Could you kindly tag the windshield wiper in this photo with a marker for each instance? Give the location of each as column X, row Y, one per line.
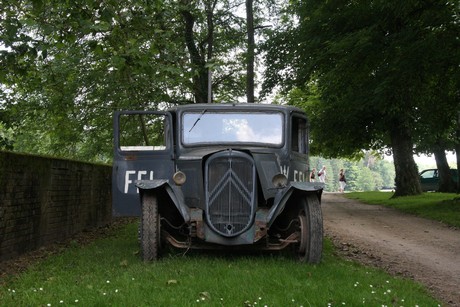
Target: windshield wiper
column 199, row 117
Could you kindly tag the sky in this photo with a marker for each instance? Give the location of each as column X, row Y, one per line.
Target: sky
column 451, row 157
column 425, row 161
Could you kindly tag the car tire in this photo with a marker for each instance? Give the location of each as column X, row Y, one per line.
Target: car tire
column 310, row 247
column 150, row 228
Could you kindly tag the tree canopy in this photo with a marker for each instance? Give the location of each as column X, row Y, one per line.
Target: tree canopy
column 371, row 75
column 67, row 65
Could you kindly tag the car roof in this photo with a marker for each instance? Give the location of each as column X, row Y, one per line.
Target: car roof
column 236, row 106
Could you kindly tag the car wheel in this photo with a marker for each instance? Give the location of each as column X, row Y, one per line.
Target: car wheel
column 150, row 228
column 310, row 228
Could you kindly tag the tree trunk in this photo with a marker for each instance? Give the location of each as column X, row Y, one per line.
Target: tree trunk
column 457, row 151
column 145, row 135
column 200, row 73
column 407, row 178
column 250, row 52
column 210, row 5
column 446, row 182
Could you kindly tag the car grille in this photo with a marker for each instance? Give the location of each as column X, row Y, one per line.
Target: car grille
column 230, row 190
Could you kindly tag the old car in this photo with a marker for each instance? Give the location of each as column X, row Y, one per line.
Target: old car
column 218, row 176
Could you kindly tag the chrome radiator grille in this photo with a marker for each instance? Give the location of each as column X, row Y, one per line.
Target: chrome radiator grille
column 230, row 192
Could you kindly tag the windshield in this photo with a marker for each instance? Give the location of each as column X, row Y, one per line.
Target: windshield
column 233, row 127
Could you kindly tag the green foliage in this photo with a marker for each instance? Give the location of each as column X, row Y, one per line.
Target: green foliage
column 66, row 66
column 443, row 207
column 370, row 71
column 372, row 75
column 90, row 59
column 6, row 137
column 109, row 272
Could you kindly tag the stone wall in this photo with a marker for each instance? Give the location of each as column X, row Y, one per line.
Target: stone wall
column 46, row 200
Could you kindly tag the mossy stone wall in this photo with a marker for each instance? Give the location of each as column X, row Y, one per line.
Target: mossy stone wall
column 45, row 200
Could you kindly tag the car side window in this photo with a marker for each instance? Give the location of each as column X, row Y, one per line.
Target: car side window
column 299, row 135
column 142, row 132
column 429, row 174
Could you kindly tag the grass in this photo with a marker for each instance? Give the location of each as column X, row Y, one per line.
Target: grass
column 436, row 206
column 109, row 272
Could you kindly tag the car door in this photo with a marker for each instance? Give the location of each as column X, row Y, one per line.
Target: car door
column 429, row 180
column 143, row 150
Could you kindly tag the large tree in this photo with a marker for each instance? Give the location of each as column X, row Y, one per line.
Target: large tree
column 436, row 127
column 67, row 65
column 369, row 65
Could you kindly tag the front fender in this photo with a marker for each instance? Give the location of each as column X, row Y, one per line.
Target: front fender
column 174, row 193
column 283, row 195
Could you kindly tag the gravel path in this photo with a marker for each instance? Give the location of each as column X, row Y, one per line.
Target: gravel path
column 402, row 244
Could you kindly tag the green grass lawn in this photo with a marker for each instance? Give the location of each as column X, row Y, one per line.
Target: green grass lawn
column 436, row 206
column 109, row 272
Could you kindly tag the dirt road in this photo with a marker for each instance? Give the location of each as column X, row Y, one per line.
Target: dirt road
column 427, row 251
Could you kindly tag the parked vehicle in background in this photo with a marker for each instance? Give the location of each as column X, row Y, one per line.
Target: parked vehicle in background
column 218, row 176
column 429, row 179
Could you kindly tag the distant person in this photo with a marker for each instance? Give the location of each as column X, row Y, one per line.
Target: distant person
column 313, row 175
column 342, row 181
column 322, row 174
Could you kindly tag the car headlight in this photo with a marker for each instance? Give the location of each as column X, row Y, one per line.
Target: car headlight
column 179, row 178
column 279, row 181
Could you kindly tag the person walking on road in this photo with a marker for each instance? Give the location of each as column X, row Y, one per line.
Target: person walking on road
column 313, row 175
column 342, row 181
column 322, row 174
